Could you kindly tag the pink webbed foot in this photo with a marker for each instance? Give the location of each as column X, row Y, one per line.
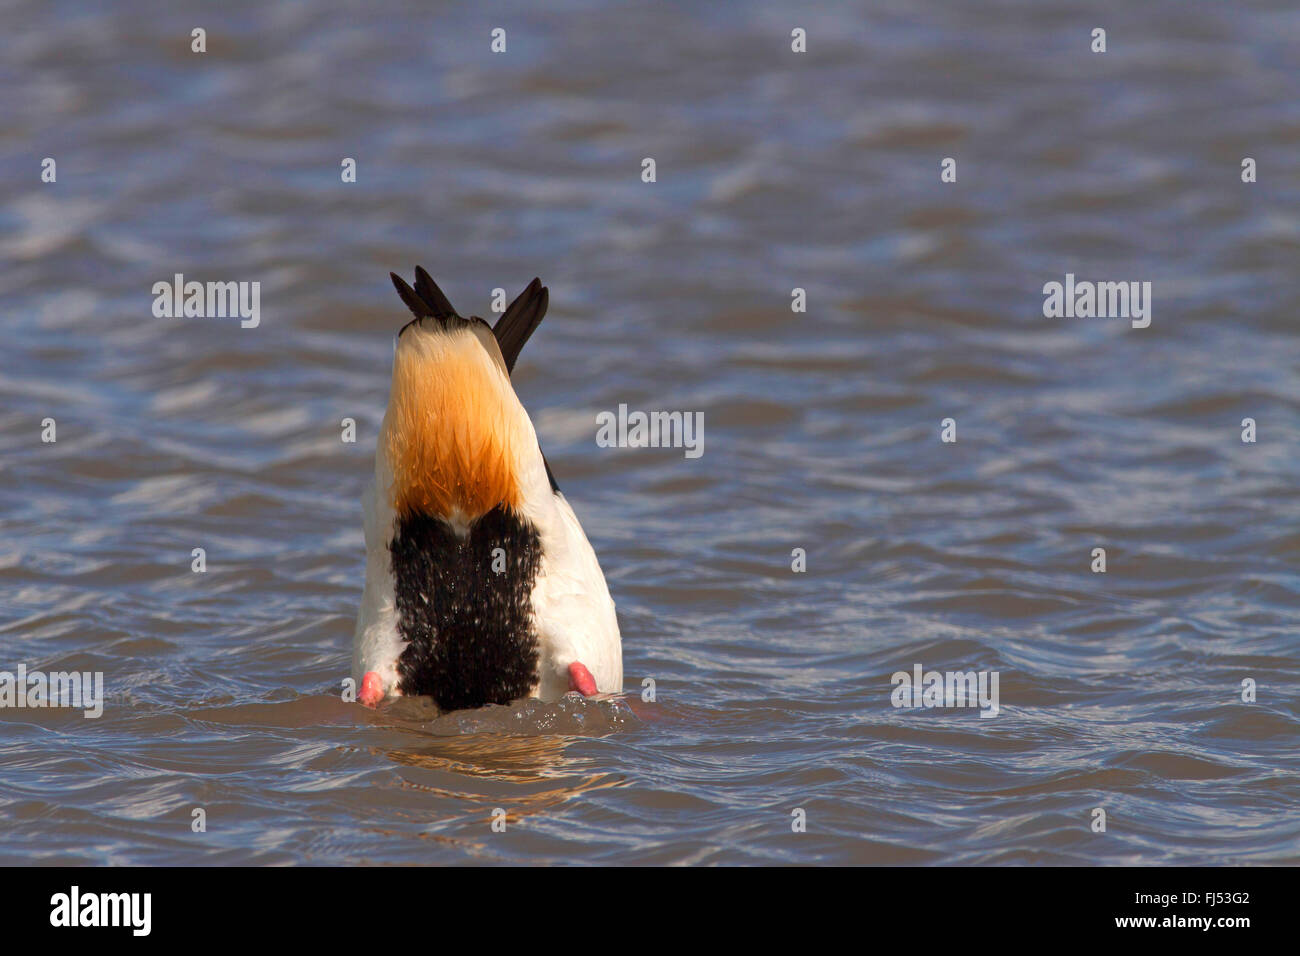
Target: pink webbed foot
column 372, row 689
column 580, row 679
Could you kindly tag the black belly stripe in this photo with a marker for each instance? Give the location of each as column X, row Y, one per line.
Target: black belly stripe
column 470, row 630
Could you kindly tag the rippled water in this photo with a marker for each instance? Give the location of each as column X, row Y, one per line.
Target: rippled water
column 775, row 170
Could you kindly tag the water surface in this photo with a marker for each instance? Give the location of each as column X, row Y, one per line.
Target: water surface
column 775, row 171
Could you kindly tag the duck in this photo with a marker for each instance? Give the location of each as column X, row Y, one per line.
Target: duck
column 481, row 586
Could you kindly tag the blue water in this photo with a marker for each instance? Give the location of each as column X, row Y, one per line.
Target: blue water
column 1119, row 692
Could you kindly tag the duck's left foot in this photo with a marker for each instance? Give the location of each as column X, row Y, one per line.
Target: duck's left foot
column 372, row 689
column 580, row 679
